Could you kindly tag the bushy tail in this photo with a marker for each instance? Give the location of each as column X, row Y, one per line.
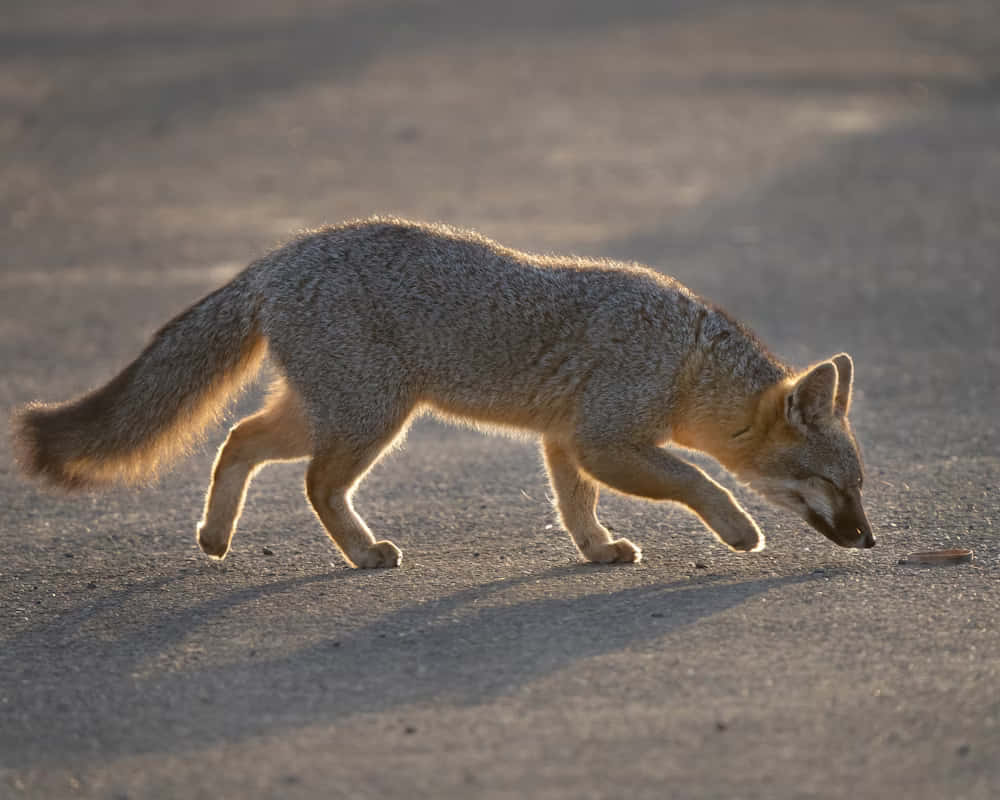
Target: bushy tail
column 146, row 416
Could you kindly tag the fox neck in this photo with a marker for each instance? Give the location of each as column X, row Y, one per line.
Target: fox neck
column 734, row 389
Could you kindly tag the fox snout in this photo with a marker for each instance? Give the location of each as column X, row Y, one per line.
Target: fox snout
column 850, row 526
column 865, row 539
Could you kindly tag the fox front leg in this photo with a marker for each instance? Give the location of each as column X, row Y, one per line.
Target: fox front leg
column 651, row 472
column 576, row 500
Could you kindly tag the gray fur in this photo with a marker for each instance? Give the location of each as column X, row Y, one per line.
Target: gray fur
column 371, row 321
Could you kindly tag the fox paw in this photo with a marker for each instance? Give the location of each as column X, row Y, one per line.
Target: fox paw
column 745, row 538
column 620, row 550
column 213, row 546
column 380, row 554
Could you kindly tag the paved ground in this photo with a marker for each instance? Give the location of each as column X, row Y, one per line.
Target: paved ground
column 828, row 171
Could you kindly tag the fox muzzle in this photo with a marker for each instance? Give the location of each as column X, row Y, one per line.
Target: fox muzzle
column 850, row 524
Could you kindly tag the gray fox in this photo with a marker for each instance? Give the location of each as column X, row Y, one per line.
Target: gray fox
column 373, row 321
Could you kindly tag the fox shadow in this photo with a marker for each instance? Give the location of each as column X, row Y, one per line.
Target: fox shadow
column 465, row 648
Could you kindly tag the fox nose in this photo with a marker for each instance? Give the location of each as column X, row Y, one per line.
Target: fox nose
column 868, row 540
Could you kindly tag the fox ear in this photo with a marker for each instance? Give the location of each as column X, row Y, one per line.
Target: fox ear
column 845, row 379
column 811, row 399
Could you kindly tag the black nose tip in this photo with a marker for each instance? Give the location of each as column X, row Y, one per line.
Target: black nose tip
column 869, row 539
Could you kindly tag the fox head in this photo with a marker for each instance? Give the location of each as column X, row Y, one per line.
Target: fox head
column 808, row 460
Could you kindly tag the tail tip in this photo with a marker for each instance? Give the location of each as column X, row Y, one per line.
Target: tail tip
column 33, row 448
column 26, row 439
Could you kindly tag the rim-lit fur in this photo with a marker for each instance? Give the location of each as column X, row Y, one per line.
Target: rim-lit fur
column 148, row 414
column 373, row 322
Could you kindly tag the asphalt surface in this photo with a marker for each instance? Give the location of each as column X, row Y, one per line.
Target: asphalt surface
column 828, row 171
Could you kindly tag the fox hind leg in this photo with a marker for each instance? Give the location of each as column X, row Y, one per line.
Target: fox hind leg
column 278, row 432
column 338, row 465
column 576, row 499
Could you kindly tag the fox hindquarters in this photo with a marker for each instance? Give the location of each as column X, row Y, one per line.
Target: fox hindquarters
column 372, row 322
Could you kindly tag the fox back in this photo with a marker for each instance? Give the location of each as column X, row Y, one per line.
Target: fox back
column 477, row 330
